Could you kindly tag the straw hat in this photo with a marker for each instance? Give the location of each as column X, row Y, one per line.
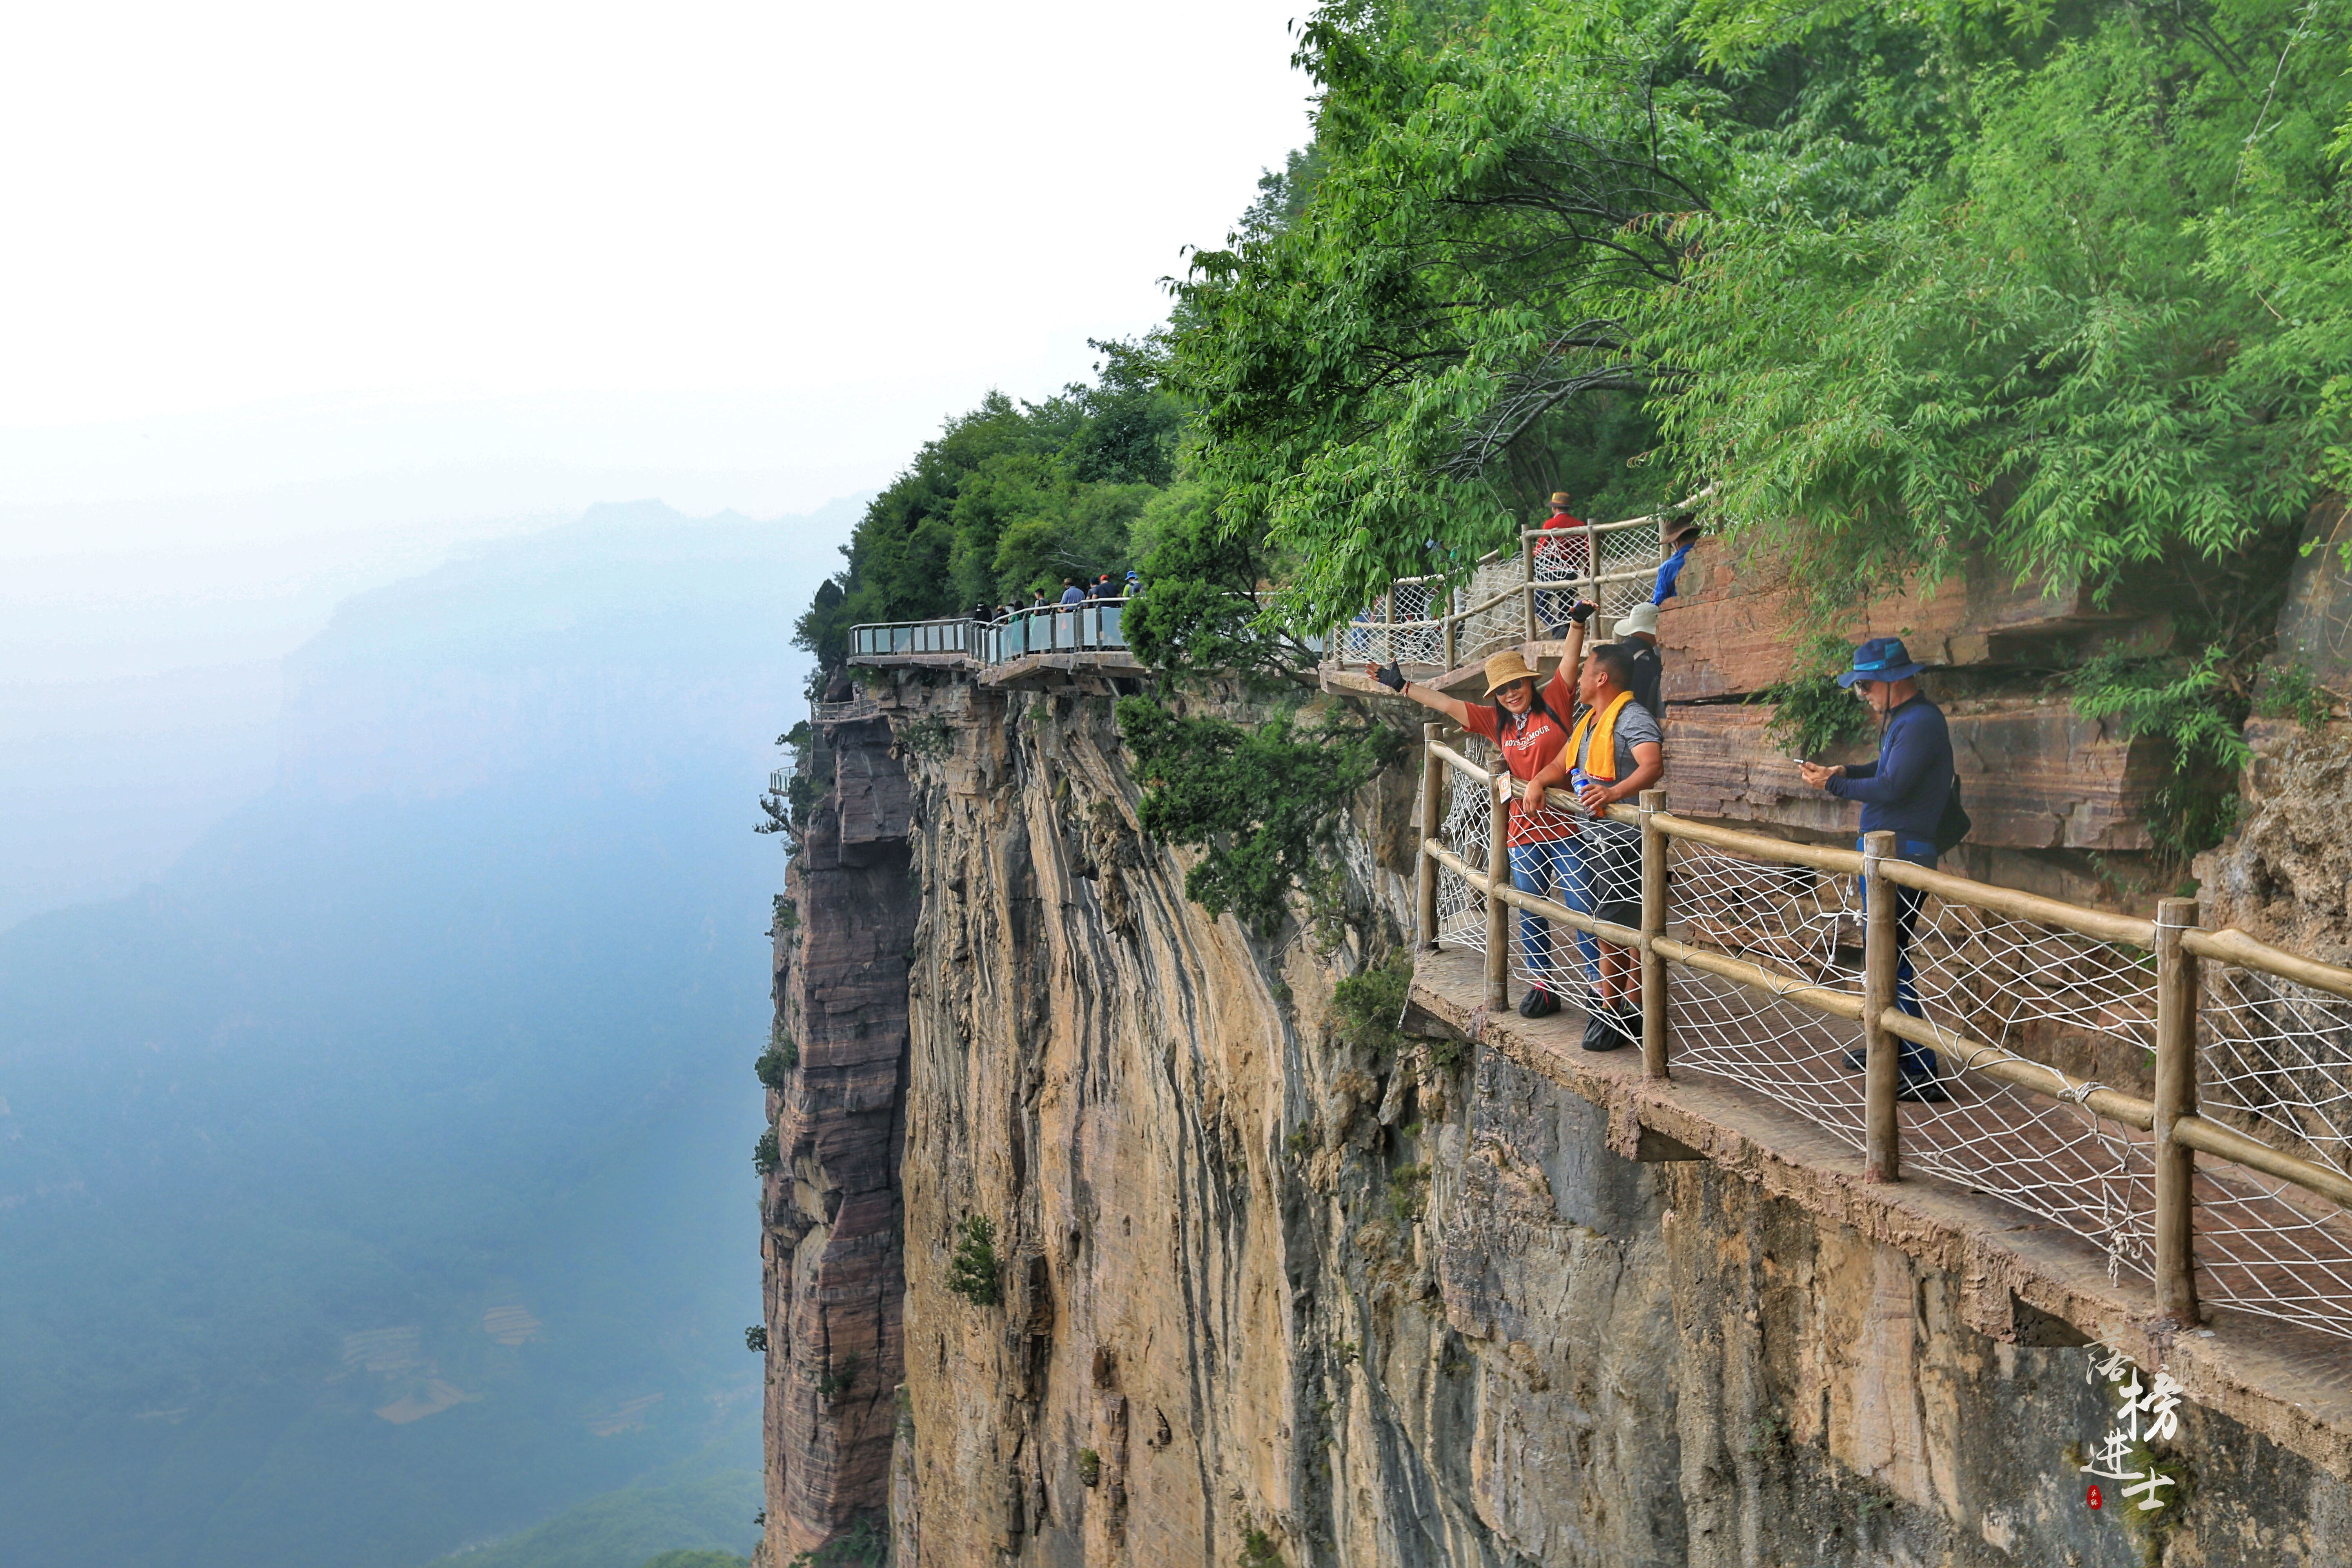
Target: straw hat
column 1505, row 668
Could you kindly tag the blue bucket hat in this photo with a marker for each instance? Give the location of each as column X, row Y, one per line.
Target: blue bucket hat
column 1881, row 658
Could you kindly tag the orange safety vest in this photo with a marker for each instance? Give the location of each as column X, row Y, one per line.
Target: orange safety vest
column 1602, row 726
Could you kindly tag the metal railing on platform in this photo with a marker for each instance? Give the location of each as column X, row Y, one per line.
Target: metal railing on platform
column 1093, row 626
column 1771, row 963
column 950, row 635
column 1090, row 627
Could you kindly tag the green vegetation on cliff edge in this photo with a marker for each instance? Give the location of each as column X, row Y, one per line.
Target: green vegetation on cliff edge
column 2063, row 284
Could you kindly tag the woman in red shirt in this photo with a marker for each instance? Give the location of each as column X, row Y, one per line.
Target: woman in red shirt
column 1528, row 727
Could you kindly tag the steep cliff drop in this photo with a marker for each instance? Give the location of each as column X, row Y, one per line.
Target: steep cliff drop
column 1265, row 1281
column 831, row 1208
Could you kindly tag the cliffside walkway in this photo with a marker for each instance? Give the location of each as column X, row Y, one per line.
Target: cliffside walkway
column 1017, row 650
column 2176, row 1100
column 1442, row 637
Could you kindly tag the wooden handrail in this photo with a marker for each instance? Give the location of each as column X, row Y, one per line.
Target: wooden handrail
column 2210, row 1137
column 1460, row 763
column 2231, row 946
column 2186, row 1129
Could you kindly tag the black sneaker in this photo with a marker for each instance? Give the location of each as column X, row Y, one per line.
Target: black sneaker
column 1538, row 1003
column 1922, row 1090
column 1857, row 1060
column 1602, row 1033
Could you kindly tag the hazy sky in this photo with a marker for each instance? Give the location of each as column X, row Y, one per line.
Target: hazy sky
column 298, row 298
column 255, row 246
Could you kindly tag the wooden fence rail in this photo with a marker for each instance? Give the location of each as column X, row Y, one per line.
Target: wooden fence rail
column 2172, row 943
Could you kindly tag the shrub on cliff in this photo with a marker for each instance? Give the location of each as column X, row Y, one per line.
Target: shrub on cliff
column 1262, row 801
column 776, row 1063
column 1366, row 1004
column 972, row 1270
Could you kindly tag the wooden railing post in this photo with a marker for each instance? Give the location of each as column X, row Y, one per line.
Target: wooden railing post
column 1433, row 776
column 1498, row 913
column 1654, row 849
column 1592, row 565
column 1882, row 1136
column 1528, row 585
column 2175, row 1097
column 1453, row 630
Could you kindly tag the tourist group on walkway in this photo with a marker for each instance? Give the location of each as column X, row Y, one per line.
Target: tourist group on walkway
column 1075, row 590
column 1594, row 734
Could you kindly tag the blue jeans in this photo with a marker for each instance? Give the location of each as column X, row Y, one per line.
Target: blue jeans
column 1916, row 1060
column 1540, row 869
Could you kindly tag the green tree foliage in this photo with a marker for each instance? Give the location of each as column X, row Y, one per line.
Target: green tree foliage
column 2064, row 284
column 1010, row 498
column 1812, row 713
column 865, row 1544
column 1263, row 800
column 776, row 1063
column 972, row 1270
column 1203, row 604
column 1435, row 337
column 2003, row 282
column 1366, row 1004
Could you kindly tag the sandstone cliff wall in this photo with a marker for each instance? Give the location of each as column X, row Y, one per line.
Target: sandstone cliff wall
column 1270, row 1292
column 833, row 1211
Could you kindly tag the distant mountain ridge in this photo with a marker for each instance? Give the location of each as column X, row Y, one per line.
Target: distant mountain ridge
column 378, row 1180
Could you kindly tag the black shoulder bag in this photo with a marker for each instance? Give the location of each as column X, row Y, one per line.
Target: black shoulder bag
column 1953, row 825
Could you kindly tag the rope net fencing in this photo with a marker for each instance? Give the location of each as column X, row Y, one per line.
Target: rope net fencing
column 1492, row 628
column 2274, row 1058
column 1791, row 920
column 2069, row 1000
column 1408, row 627
column 2079, row 1011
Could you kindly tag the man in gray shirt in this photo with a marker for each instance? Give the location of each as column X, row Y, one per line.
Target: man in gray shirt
column 1608, row 855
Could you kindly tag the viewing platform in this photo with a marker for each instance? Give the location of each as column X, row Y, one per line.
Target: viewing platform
column 1030, row 647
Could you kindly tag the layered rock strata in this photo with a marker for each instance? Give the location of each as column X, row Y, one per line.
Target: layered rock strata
column 1272, row 1285
column 832, row 1209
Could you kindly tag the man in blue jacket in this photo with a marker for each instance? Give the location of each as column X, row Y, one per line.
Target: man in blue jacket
column 1902, row 793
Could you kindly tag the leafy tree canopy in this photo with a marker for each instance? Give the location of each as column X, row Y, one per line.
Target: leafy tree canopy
column 2067, row 282
column 1009, row 498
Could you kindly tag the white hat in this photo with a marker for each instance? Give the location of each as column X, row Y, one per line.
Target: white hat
column 1640, row 619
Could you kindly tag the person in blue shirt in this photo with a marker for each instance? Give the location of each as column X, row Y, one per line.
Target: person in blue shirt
column 1672, row 566
column 1071, row 592
column 1902, row 793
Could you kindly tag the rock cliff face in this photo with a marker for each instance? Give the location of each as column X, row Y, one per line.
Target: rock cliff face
column 1279, row 1286
column 832, row 1208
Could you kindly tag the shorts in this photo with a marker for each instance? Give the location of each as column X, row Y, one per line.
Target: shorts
column 1608, row 858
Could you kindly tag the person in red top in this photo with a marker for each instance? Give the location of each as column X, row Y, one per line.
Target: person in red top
column 1558, row 561
column 1528, row 727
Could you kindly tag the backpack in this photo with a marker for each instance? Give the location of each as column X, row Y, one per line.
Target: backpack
column 1954, row 824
